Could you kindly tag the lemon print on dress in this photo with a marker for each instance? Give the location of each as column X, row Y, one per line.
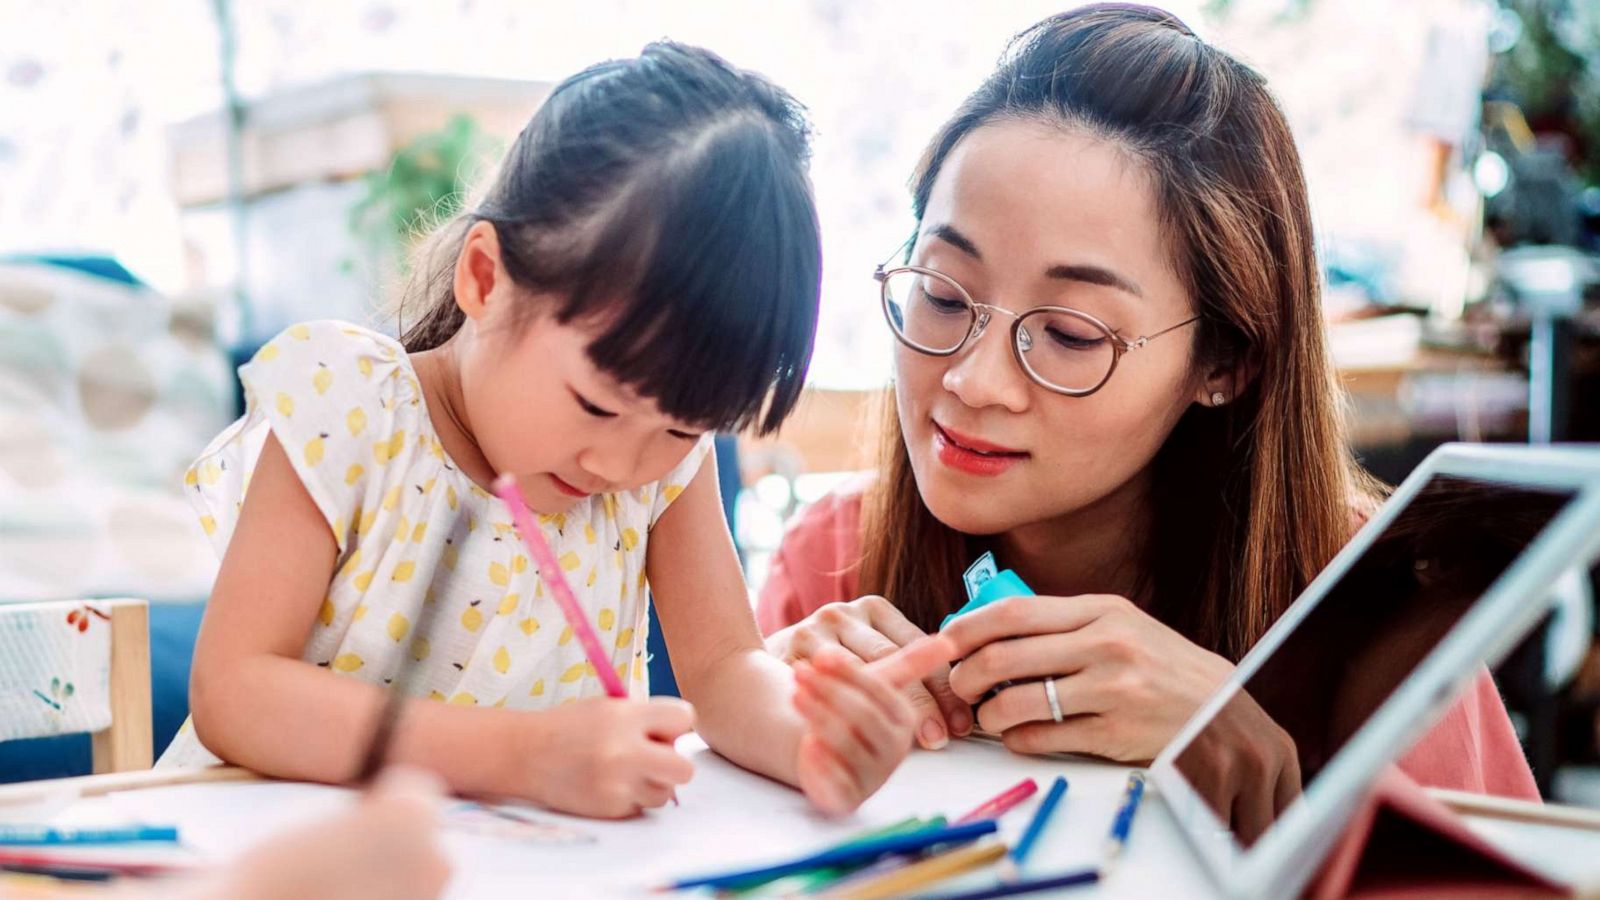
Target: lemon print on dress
column 435, row 695
column 300, row 332
column 267, row 353
column 418, row 532
column 630, row 539
column 191, row 477
column 325, row 614
column 404, row 571
column 594, row 574
column 365, row 365
column 353, row 474
column 402, row 530
column 520, row 564
column 210, row 473
column 383, row 451
column 538, row 689
column 363, row 580
column 671, row 492
column 356, row 421
column 566, row 637
column 323, row 379
column 208, row 524
column 608, row 618
column 499, row 575
column 347, row 662
column 529, row 626
column 570, row 561
column 360, row 612
column 625, row 638
column 574, row 672
column 419, row 649
column 502, row 660
column 451, row 498
column 351, row 563
column 285, row 405
column 462, row 698
column 508, row 604
column 450, row 556
column 399, row 627
column 315, row 448
column 391, row 498
column 471, row 618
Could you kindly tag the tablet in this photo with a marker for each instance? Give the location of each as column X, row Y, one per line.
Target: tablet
column 1449, row 575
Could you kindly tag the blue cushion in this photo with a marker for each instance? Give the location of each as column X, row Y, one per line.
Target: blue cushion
column 172, row 632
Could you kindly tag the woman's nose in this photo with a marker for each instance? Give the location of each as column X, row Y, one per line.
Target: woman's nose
column 984, row 373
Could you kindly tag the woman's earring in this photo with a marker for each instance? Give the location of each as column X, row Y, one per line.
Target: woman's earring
column 1218, row 398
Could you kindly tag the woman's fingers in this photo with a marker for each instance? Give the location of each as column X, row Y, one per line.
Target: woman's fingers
column 1019, row 659
column 1023, row 616
column 1018, row 704
column 866, row 642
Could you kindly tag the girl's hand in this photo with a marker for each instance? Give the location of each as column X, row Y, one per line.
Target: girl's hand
column 858, row 720
column 386, row 847
column 871, row 628
column 602, row 757
column 1126, row 683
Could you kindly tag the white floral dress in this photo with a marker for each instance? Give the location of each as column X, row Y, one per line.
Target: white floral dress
column 413, row 530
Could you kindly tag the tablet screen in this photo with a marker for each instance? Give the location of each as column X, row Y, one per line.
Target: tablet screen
column 1376, row 624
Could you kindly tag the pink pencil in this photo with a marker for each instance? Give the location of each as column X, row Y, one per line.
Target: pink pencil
column 997, row 807
column 549, row 569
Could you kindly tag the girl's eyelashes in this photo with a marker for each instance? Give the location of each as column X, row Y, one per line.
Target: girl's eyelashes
column 591, row 409
column 599, row 413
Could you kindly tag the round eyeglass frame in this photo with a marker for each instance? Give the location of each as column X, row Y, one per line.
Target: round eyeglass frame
column 981, row 313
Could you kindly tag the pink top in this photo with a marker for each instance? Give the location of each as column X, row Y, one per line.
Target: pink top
column 1473, row 748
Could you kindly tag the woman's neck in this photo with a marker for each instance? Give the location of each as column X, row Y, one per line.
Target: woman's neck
column 1098, row 549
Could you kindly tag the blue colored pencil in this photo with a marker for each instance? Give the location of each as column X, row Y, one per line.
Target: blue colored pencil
column 1041, row 818
column 849, row 854
column 1123, row 823
column 45, row 836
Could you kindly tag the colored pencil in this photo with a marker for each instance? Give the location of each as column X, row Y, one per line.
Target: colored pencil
column 799, row 883
column 1063, row 880
column 550, row 570
column 1036, row 826
column 1123, row 823
column 998, row 805
column 856, row 853
column 922, row 873
column 45, row 836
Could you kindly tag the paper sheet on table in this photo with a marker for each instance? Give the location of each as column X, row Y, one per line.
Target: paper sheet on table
column 729, row 818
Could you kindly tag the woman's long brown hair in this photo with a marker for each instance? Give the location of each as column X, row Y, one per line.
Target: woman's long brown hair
column 1251, row 499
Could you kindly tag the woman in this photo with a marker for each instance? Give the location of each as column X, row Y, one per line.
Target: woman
column 1159, row 453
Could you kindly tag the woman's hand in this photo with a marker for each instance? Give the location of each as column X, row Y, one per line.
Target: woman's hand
column 1125, row 682
column 858, row 720
column 870, row 628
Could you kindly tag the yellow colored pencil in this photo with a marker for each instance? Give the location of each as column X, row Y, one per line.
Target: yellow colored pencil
column 923, row 873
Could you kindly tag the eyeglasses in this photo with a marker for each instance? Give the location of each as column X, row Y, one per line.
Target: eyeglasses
column 1063, row 350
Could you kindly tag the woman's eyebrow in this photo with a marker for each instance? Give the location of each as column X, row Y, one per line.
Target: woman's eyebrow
column 1088, row 274
column 956, row 239
column 1093, row 275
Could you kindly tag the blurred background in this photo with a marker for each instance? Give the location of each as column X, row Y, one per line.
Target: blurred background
column 180, row 179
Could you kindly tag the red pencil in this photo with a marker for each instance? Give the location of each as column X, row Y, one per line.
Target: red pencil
column 1002, row 802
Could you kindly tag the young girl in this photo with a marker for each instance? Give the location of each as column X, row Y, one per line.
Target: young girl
column 644, row 270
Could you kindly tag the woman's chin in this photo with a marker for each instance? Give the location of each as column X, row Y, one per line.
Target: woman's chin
column 968, row 511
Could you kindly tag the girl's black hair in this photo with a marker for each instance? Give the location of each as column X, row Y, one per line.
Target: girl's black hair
column 666, row 198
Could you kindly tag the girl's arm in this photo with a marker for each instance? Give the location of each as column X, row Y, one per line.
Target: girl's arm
column 739, row 691
column 836, row 729
column 257, row 704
